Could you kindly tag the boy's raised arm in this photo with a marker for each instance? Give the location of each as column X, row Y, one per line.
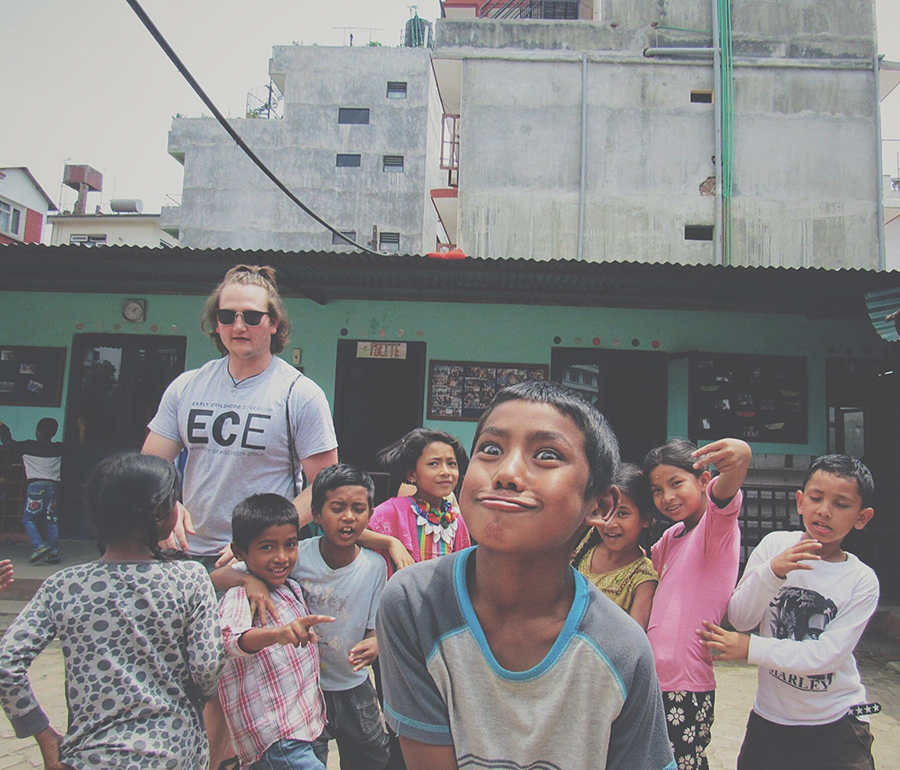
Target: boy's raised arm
column 261, row 604
column 754, row 591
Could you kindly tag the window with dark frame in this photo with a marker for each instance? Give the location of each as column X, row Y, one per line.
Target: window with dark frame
column 393, row 164
column 701, row 97
column 698, row 232
column 396, row 90
column 389, row 241
column 336, row 240
column 348, row 160
column 353, row 116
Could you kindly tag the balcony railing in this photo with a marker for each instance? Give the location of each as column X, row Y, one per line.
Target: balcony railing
column 530, row 9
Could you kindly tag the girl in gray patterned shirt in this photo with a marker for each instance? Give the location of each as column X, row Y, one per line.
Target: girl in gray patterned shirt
column 140, row 636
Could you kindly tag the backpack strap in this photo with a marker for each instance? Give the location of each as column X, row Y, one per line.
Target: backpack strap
column 292, row 450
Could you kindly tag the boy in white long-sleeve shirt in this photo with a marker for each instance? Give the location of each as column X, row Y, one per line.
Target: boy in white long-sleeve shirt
column 812, row 602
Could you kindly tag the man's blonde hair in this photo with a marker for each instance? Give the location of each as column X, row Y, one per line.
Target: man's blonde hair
column 249, row 275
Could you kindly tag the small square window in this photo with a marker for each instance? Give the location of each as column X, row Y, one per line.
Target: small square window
column 393, row 164
column 345, row 160
column 396, row 90
column 338, row 241
column 698, row 232
column 357, row 116
column 389, row 241
column 701, row 97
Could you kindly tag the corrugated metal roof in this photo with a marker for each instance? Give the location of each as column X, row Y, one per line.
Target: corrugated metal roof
column 325, row 276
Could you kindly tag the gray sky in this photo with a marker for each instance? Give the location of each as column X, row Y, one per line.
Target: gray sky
column 86, row 83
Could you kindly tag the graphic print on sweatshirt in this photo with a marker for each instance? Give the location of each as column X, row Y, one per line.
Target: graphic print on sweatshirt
column 802, row 615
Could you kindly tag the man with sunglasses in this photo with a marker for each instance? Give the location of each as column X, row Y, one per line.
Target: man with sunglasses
column 233, row 416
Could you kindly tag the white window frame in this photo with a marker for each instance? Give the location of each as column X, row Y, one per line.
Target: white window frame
column 12, row 219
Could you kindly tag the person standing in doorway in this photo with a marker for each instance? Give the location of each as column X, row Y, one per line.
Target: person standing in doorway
column 43, row 462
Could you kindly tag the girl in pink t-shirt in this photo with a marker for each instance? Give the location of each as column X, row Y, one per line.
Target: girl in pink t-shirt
column 697, row 561
column 428, row 523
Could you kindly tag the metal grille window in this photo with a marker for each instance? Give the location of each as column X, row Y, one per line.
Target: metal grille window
column 88, row 240
column 396, row 90
column 389, row 241
column 353, row 115
column 336, row 240
column 393, row 164
column 345, row 160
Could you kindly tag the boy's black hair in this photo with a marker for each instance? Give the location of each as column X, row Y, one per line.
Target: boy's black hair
column 847, row 468
column 400, row 458
column 676, row 452
column 336, row 476
column 129, row 492
column 255, row 514
column 47, row 427
column 600, row 444
column 630, row 480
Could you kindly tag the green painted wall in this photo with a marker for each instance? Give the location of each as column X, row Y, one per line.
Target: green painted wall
column 511, row 333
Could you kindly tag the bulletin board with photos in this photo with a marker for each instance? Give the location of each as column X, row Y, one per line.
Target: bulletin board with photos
column 31, row 376
column 462, row 390
column 754, row 398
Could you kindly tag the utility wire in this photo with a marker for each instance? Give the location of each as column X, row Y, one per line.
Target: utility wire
column 179, row 65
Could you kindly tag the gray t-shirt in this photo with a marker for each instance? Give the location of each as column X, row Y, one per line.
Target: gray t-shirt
column 236, row 436
column 593, row 702
column 351, row 595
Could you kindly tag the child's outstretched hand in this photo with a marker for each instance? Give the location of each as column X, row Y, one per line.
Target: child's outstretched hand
column 6, row 574
column 261, row 603
column 731, row 457
column 724, row 645
column 793, row 558
column 300, row 632
column 364, row 653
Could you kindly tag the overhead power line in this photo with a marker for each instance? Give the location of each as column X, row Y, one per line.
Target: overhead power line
column 179, row 65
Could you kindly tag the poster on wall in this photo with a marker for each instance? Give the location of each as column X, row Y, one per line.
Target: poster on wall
column 31, row 376
column 462, row 390
column 754, row 398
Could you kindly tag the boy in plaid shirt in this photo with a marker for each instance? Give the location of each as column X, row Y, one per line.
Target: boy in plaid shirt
column 269, row 687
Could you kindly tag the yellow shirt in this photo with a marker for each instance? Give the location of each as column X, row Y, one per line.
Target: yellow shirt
column 620, row 584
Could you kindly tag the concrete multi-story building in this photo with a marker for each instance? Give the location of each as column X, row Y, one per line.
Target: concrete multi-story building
column 654, row 132
column 358, row 143
column 23, row 206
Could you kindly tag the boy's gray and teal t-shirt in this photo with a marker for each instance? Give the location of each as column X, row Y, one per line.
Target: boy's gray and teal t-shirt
column 593, row 702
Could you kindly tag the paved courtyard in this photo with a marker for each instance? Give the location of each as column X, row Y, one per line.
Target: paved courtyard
column 734, row 697
column 737, row 685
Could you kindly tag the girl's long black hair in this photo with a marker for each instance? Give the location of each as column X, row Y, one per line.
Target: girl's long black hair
column 127, row 494
column 400, row 458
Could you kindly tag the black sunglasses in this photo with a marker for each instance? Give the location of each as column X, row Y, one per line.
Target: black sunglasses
column 251, row 317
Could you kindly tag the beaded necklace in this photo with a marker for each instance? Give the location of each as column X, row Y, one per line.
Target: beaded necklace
column 440, row 523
